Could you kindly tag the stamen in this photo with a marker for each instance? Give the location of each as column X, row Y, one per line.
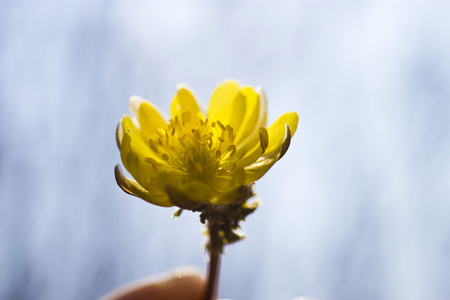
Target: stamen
column 200, row 151
column 153, row 145
column 207, row 136
column 221, row 172
column 210, row 143
column 221, row 125
column 196, row 133
column 232, row 150
column 230, row 133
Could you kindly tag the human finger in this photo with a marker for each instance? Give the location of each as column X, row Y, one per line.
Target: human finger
column 181, row 284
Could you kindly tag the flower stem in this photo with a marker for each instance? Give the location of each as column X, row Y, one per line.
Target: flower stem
column 215, row 252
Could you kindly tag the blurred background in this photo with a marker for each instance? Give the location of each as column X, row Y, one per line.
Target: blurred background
column 359, row 207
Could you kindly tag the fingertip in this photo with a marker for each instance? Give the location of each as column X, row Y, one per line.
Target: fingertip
column 186, row 283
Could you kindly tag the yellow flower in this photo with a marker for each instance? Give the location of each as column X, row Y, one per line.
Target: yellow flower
column 195, row 158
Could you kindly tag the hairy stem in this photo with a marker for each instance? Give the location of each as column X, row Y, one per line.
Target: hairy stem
column 215, row 252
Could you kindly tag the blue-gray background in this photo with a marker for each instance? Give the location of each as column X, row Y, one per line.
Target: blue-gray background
column 358, row 208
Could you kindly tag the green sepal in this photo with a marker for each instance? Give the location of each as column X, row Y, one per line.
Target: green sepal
column 286, row 141
column 133, row 188
column 119, row 134
column 181, row 199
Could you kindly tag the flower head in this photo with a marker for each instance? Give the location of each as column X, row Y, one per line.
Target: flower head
column 196, row 158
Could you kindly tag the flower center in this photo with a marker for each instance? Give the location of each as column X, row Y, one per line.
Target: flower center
column 196, row 145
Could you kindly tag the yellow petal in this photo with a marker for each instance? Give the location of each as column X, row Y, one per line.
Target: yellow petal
column 246, row 128
column 184, row 103
column 235, row 113
column 256, row 117
column 276, row 131
column 263, row 164
column 230, row 106
column 245, row 156
column 134, row 103
column 262, row 122
column 242, row 108
column 129, row 129
column 132, row 160
column 259, row 168
column 148, row 117
column 139, row 142
column 131, row 187
column 138, row 159
column 220, row 105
